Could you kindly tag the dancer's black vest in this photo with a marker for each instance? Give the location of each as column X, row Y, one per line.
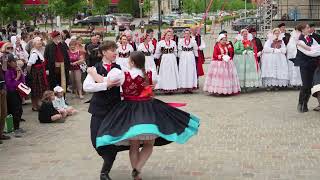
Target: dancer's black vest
column 301, row 58
column 102, row 102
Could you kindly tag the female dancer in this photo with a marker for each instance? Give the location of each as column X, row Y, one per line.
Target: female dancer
column 222, row 75
column 274, row 66
column 246, row 64
column 168, row 73
column 188, row 53
column 148, row 50
column 141, row 119
column 123, row 52
column 294, row 71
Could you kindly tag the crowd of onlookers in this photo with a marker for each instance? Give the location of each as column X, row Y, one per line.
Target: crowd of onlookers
column 24, row 66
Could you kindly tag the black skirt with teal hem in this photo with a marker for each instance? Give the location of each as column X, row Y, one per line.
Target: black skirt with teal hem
column 129, row 119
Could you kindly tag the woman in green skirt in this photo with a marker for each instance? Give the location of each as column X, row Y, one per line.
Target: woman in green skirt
column 247, row 65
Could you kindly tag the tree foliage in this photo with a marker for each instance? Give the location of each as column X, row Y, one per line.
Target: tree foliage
column 188, row 6
column 100, row 6
column 146, row 7
column 12, row 10
column 129, row 6
column 199, row 6
column 66, row 8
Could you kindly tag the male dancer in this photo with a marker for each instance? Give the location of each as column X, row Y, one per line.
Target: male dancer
column 105, row 96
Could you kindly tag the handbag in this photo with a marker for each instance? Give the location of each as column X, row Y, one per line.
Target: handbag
column 23, row 90
column 8, row 126
column 83, row 67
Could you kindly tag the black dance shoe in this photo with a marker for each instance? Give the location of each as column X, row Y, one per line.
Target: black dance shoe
column 305, row 107
column 104, row 176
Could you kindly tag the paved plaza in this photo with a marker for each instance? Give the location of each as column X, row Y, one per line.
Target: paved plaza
column 257, row 136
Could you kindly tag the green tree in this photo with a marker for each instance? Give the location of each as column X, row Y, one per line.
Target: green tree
column 100, row 7
column 199, row 6
column 66, row 8
column 146, row 7
column 129, row 6
column 188, row 6
column 12, row 10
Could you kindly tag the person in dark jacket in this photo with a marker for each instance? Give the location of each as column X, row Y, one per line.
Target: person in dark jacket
column 313, row 33
column 307, row 66
column 105, row 96
column 286, row 36
column 56, row 53
column 258, row 45
column 316, row 77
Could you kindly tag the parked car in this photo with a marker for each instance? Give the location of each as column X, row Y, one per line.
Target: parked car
column 250, row 22
column 126, row 15
column 169, row 19
column 95, row 20
column 154, row 20
column 188, row 23
column 124, row 23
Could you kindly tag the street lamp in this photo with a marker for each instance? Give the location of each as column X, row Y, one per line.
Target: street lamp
column 205, row 17
column 245, row 9
column 159, row 18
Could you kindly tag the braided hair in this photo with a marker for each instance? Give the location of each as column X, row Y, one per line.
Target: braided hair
column 138, row 59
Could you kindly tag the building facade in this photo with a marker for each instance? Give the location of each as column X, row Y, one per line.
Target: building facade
column 167, row 6
column 298, row 9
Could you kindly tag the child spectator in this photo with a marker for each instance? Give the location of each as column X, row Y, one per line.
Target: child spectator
column 13, row 77
column 59, row 102
column 47, row 113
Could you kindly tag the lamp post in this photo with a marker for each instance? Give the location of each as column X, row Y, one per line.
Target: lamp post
column 245, row 9
column 159, row 18
column 205, row 17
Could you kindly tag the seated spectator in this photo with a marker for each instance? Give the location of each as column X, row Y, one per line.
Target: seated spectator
column 47, row 113
column 59, row 102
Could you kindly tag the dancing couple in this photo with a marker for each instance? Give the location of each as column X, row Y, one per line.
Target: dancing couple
column 139, row 121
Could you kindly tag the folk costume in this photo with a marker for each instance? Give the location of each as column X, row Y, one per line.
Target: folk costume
column 141, row 117
column 274, row 65
column 123, row 52
column 294, row 71
column 168, row 72
column 102, row 102
column 200, row 60
column 58, row 62
column 188, row 53
column 37, row 77
column 247, row 66
column 148, row 50
column 222, row 77
column 308, row 66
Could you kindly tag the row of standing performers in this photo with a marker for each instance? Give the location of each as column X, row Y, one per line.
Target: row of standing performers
column 178, row 63
column 233, row 66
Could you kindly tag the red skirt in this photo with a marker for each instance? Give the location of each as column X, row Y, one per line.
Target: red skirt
column 38, row 83
column 200, row 63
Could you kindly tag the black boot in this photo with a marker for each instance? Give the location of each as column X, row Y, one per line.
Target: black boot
column 301, row 100
column 305, row 104
column 104, row 176
column 105, row 171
